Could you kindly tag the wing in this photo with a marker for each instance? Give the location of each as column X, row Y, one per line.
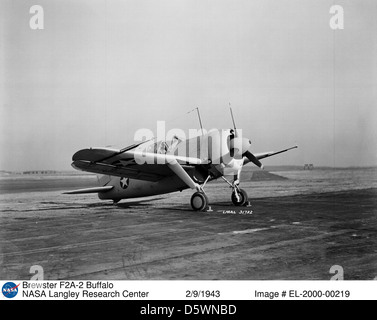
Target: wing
column 130, row 163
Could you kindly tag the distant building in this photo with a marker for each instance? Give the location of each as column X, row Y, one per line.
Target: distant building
column 40, row 172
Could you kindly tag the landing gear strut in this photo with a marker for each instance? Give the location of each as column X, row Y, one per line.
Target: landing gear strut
column 239, row 196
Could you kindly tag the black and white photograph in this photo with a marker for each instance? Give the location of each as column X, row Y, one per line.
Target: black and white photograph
column 188, row 140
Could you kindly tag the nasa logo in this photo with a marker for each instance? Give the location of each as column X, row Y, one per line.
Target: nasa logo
column 124, row 182
column 10, row 290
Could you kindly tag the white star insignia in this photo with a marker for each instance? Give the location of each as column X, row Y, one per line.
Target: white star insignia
column 124, row 182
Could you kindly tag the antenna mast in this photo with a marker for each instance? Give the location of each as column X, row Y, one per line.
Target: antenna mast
column 234, row 123
column 200, row 120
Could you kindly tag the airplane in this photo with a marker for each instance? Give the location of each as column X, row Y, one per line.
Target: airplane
column 152, row 168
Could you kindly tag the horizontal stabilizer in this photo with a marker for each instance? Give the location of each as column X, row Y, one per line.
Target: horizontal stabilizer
column 90, row 190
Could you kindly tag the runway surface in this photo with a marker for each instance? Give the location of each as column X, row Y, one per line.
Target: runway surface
column 296, row 229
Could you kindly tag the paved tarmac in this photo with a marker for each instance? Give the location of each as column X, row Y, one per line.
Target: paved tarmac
column 294, row 237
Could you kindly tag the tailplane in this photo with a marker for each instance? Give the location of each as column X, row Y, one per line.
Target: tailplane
column 90, row 190
column 103, row 180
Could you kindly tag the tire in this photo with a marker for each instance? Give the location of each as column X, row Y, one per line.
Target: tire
column 199, row 201
column 243, row 198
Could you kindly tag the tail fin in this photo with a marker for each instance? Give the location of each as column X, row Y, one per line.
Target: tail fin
column 103, row 180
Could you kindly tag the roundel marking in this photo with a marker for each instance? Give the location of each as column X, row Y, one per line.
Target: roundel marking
column 124, row 182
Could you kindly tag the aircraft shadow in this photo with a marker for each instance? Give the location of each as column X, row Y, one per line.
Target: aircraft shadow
column 211, row 207
column 137, row 203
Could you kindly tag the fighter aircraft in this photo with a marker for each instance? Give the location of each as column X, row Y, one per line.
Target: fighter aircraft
column 151, row 168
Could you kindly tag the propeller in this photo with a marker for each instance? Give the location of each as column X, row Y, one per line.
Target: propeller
column 238, row 144
column 253, row 159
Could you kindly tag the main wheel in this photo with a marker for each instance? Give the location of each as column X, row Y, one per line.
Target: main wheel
column 199, row 201
column 242, row 198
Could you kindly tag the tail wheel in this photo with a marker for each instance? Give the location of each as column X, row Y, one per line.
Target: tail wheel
column 242, row 197
column 199, row 201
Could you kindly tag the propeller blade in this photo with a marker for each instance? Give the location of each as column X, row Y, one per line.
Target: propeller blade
column 253, row 159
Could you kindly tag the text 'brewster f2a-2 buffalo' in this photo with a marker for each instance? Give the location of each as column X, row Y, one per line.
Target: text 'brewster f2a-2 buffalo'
column 151, row 168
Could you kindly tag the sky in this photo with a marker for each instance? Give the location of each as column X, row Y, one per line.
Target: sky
column 101, row 70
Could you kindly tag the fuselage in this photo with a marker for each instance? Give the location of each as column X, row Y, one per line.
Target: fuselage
column 212, row 148
column 125, row 188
